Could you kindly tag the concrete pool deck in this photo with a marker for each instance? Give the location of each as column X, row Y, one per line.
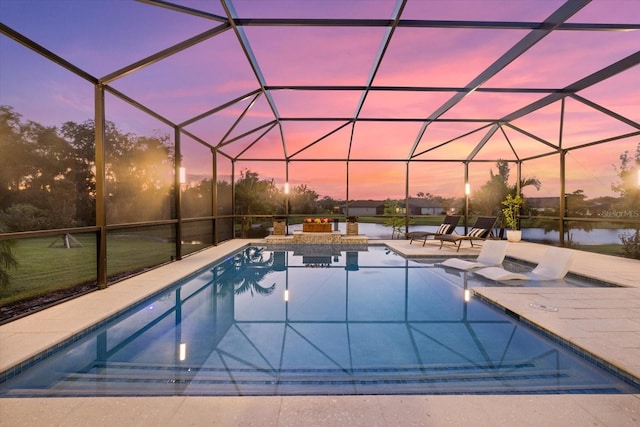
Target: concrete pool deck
column 603, row 321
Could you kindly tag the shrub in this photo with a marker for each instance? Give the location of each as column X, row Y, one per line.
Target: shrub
column 631, row 244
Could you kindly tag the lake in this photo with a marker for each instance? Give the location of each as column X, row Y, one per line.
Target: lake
column 594, row 237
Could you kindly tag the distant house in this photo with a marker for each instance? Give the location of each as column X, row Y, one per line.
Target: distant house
column 603, row 206
column 364, row 208
column 419, row 206
column 543, row 204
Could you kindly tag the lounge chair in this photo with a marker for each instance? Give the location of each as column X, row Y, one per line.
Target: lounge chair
column 448, row 225
column 481, row 230
column 492, row 254
column 554, row 266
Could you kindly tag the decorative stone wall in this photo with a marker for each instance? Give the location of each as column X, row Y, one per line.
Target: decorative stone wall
column 304, row 237
column 300, row 237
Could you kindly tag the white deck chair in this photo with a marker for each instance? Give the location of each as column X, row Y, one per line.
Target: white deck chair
column 492, row 253
column 554, row 266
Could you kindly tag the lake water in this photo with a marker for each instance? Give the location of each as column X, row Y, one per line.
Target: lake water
column 581, row 237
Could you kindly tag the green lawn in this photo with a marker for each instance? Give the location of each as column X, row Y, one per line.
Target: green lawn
column 43, row 269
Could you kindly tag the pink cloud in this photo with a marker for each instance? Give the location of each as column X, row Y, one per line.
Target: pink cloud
column 316, row 56
column 560, row 58
column 438, row 57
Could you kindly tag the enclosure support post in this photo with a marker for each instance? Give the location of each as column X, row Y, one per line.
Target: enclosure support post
column 233, row 199
column 101, row 218
column 179, row 175
column 563, row 201
column 406, row 200
column 466, row 198
column 286, row 196
column 562, row 205
column 214, row 194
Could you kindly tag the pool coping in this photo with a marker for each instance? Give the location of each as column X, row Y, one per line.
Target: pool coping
column 602, row 363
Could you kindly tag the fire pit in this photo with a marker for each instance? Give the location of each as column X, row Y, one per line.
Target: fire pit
column 316, row 225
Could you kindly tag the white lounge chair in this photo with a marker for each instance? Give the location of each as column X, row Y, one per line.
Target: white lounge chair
column 554, row 266
column 492, row 253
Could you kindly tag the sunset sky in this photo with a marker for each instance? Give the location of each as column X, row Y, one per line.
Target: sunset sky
column 103, row 36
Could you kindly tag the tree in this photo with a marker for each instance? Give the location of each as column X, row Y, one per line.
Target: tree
column 576, row 205
column 52, row 169
column 225, row 197
column 139, row 176
column 303, row 200
column 82, row 138
column 254, row 196
column 24, row 217
column 393, row 207
column 196, row 200
column 15, row 157
column 37, row 169
column 488, row 199
column 628, row 187
column 329, row 205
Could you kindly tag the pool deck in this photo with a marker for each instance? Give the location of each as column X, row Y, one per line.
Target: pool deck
column 605, row 322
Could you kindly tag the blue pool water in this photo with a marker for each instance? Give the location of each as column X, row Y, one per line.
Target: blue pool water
column 266, row 321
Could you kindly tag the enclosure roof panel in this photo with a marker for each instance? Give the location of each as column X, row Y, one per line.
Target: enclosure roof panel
column 340, row 80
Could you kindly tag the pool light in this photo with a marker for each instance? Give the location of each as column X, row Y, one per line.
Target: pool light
column 467, row 295
column 286, row 294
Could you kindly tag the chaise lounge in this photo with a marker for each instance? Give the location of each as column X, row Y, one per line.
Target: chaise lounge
column 554, row 266
column 491, row 254
column 481, row 230
column 448, row 225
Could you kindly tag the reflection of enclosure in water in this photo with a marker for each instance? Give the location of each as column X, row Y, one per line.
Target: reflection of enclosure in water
column 318, row 255
column 246, row 270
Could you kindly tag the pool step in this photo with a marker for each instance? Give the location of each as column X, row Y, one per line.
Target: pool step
column 136, row 379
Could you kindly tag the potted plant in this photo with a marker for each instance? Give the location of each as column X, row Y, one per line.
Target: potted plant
column 511, row 211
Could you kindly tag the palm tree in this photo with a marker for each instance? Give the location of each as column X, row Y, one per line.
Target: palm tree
column 488, row 199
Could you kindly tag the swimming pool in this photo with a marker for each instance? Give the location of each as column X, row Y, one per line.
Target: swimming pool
column 314, row 321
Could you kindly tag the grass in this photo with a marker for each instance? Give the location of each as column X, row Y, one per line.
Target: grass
column 43, row 269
